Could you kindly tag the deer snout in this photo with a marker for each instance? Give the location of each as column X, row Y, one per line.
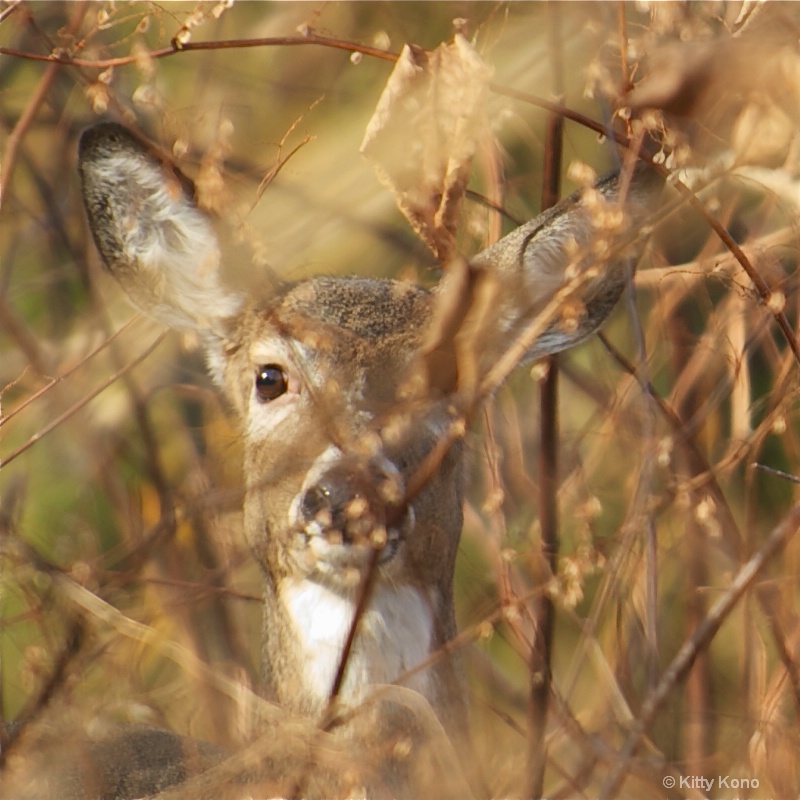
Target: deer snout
column 347, row 505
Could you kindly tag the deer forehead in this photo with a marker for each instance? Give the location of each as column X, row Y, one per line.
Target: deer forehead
column 368, row 308
column 343, row 340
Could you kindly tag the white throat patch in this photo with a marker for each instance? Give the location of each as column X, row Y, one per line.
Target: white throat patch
column 394, row 636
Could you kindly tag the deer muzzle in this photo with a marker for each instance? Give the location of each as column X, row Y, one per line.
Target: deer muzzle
column 350, row 506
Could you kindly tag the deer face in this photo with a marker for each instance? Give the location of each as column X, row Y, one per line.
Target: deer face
column 314, row 374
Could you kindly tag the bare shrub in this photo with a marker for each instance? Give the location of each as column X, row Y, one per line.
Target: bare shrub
column 648, row 638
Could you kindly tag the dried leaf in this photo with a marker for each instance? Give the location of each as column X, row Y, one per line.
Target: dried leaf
column 424, row 133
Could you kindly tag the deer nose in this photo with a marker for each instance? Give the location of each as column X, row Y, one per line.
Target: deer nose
column 351, row 507
column 345, row 506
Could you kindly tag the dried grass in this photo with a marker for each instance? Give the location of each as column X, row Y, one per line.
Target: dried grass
column 126, row 592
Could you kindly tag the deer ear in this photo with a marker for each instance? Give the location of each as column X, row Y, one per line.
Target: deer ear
column 543, row 288
column 152, row 237
column 577, row 255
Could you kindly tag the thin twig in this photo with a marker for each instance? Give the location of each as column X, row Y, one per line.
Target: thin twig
column 51, row 426
column 779, row 472
column 29, row 114
column 64, row 375
column 63, row 60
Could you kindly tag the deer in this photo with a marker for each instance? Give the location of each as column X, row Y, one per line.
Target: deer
column 351, row 394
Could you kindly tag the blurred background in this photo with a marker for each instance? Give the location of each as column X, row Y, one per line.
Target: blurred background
column 678, row 435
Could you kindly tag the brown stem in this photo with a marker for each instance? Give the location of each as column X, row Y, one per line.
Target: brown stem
column 540, row 664
column 59, row 60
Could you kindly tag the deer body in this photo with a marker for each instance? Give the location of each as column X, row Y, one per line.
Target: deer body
column 314, row 371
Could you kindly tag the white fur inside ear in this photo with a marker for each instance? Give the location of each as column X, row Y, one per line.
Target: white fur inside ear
column 169, row 245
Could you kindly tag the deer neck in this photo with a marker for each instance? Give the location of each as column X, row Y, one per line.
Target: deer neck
column 396, row 633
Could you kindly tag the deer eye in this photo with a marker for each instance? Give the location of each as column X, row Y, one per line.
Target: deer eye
column 271, row 382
